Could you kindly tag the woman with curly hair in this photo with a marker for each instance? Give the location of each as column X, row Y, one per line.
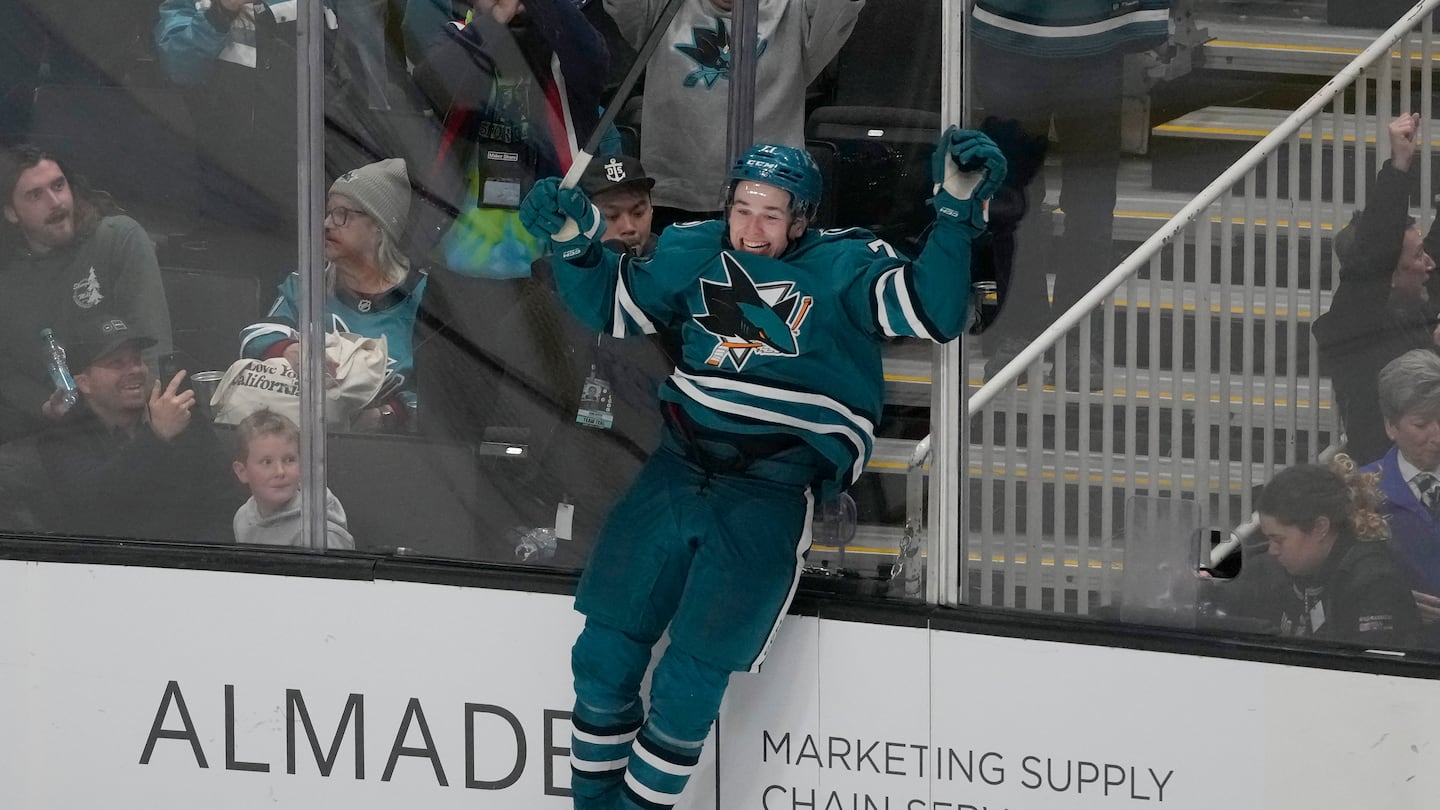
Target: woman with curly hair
column 1328, row 573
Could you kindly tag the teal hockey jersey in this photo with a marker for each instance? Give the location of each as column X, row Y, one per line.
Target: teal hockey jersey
column 390, row 314
column 1051, row 30
column 787, row 345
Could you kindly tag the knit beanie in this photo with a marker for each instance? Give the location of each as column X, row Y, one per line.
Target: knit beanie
column 382, row 190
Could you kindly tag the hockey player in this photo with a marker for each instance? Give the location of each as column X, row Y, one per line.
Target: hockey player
column 775, row 397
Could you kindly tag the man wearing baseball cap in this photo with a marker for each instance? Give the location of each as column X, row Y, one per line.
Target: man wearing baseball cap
column 73, row 254
column 620, row 188
column 128, row 460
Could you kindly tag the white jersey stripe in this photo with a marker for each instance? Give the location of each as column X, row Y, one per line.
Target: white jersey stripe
column 907, row 305
column 881, row 311
column 650, row 794
column 724, row 406
column 784, row 395
column 617, row 317
column 259, row 330
column 632, row 309
column 598, row 767
column 1068, row 31
column 662, row 765
column 605, row 739
column 800, row 548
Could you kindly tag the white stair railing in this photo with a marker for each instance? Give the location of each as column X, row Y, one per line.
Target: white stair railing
column 1209, row 383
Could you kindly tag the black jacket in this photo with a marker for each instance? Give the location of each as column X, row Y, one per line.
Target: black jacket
column 1366, row 327
column 109, row 483
column 1359, row 596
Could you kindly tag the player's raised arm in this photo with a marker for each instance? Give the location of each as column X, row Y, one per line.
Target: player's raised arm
column 591, row 279
column 929, row 298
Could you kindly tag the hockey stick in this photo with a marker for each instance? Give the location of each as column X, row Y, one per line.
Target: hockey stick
column 582, row 160
column 652, row 41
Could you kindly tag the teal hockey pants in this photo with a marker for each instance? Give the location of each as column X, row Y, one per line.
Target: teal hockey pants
column 713, row 553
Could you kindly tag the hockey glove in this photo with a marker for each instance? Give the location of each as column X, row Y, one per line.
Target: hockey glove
column 564, row 215
column 967, row 168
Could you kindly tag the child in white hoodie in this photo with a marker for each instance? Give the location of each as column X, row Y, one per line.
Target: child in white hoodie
column 267, row 460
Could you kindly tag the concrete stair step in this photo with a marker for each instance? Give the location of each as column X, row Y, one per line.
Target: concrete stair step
column 908, row 378
column 1290, row 47
column 1152, row 473
column 875, row 544
column 1188, row 152
column 1140, row 210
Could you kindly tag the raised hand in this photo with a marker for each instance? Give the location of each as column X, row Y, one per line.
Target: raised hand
column 540, row 210
column 967, row 168
column 1404, row 135
column 170, row 408
column 967, row 164
column 563, row 215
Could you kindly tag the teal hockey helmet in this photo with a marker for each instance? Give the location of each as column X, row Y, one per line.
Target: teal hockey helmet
column 788, row 168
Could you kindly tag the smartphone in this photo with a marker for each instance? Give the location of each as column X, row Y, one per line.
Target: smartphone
column 170, row 365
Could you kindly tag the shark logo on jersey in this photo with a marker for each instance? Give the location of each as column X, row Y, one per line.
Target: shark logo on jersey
column 749, row 318
column 710, row 48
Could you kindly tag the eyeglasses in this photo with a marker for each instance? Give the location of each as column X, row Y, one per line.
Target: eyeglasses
column 340, row 215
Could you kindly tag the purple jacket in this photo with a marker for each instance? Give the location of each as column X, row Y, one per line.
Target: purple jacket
column 1414, row 533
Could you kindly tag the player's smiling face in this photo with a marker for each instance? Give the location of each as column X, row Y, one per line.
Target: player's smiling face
column 760, row 220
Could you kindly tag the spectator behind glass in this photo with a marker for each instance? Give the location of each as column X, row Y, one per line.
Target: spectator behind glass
column 1328, row 573
column 1382, row 307
column 373, row 290
column 484, row 341
column 421, row 23
column 237, row 59
column 129, row 460
column 687, row 89
column 1060, row 66
column 267, row 461
column 620, row 188
column 1409, row 474
column 67, row 252
column 495, row 84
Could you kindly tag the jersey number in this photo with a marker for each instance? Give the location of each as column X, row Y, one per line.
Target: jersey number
column 881, row 246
